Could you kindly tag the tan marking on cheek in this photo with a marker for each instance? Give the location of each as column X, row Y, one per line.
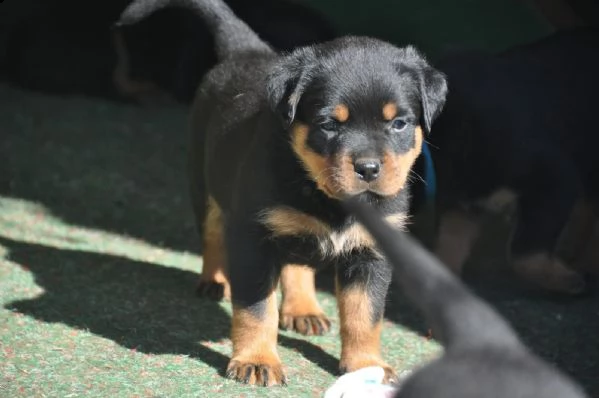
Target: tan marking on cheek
column 396, row 168
column 333, row 175
column 345, row 179
column 341, row 113
column 317, row 166
column 419, row 140
column 389, row 111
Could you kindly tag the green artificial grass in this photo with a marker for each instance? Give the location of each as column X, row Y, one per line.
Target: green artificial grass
column 99, row 259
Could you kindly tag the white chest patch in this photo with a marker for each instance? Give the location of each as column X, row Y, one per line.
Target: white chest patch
column 286, row 221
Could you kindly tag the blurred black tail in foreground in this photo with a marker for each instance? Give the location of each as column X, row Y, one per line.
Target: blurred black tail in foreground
column 483, row 356
column 454, row 312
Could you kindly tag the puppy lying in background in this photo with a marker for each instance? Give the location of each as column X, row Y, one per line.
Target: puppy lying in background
column 483, row 356
column 519, row 128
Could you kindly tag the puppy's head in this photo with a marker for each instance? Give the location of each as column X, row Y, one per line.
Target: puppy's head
column 357, row 110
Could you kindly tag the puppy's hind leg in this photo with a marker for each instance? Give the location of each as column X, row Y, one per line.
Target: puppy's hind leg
column 300, row 310
column 214, row 283
column 457, row 232
column 578, row 234
column 544, row 211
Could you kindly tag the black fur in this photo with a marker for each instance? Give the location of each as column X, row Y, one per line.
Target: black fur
column 242, row 157
column 483, row 356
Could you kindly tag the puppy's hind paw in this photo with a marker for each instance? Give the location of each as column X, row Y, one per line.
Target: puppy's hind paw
column 255, row 373
column 213, row 290
column 309, row 325
column 551, row 274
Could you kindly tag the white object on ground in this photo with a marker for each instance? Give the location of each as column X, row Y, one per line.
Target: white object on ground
column 365, row 382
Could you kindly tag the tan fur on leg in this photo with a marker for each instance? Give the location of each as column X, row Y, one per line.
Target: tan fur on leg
column 300, row 310
column 549, row 273
column 255, row 359
column 213, row 281
column 360, row 338
column 457, row 233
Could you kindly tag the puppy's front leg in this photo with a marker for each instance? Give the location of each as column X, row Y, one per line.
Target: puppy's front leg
column 254, row 277
column 456, row 233
column 361, row 288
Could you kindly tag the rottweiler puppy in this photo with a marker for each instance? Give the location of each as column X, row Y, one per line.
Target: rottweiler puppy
column 518, row 132
column 277, row 142
column 483, row 356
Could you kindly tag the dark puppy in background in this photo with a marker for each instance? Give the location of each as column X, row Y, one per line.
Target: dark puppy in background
column 277, row 141
column 483, row 356
column 519, row 129
column 175, row 48
column 161, row 59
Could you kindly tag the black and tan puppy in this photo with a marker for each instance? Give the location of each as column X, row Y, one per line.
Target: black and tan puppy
column 483, row 356
column 280, row 139
column 519, row 128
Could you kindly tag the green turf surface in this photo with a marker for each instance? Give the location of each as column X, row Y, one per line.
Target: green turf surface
column 99, row 260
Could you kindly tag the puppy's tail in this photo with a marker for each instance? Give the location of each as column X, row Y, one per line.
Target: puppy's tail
column 458, row 318
column 231, row 34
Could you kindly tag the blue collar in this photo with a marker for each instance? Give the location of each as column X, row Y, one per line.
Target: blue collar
column 430, row 177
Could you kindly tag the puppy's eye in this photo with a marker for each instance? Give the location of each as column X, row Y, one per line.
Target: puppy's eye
column 398, row 125
column 329, row 126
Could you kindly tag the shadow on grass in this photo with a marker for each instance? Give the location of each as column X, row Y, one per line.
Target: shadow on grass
column 138, row 305
column 99, row 164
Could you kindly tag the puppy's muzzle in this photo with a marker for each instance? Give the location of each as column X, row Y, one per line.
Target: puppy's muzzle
column 367, row 169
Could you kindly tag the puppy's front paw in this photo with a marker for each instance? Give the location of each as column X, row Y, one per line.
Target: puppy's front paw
column 353, row 364
column 550, row 273
column 259, row 370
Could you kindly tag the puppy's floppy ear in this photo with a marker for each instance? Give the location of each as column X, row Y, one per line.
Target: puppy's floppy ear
column 433, row 91
column 287, row 81
column 432, row 86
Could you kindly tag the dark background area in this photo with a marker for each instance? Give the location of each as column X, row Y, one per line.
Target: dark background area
column 103, row 166
column 68, row 46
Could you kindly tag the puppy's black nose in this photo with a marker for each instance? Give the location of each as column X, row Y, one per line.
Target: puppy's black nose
column 367, row 169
